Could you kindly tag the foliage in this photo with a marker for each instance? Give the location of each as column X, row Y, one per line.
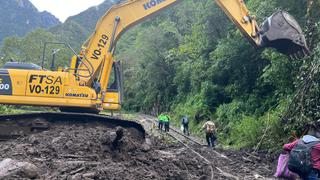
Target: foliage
column 227, row 115
column 246, row 132
column 304, row 110
column 30, row 49
column 263, row 132
column 5, row 110
column 9, row 109
column 218, row 75
column 207, row 69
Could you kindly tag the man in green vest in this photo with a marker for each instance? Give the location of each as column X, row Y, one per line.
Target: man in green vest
column 161, row 118
column 166, row 122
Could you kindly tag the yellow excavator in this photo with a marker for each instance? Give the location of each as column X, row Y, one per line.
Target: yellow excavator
column 85, row 86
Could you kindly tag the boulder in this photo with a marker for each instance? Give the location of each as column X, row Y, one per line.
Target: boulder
column 13, row 168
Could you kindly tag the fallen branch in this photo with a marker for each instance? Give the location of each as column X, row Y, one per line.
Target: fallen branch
column 258, row 176
column 247, row 159
column 40, row 159
column 77, row 163
column 268, row 169
column 221, row 155
column 226, row 174
column 264, row 134
column 251, row 155
column 76, row 156
column 76, row 171
column 17, row 154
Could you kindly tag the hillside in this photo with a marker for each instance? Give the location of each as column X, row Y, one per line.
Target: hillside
column 20, row 16
column 77, row 28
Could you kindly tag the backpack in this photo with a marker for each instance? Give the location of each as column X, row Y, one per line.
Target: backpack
column 300, row 160
column 185, row 120
column 210, row 128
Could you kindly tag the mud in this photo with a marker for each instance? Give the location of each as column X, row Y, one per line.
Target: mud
column 86, row 151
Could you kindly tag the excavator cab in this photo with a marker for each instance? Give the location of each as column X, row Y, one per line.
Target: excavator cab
column 282, row 32
column 114, row 95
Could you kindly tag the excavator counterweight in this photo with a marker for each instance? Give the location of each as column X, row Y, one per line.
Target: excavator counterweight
column 282, row 32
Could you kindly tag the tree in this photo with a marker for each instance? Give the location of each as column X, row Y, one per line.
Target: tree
column 30, row 49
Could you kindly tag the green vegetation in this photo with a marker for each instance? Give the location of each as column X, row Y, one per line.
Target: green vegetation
column 191, row 60
column 9, row 109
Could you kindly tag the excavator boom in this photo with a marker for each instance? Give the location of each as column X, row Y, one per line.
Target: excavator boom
column 279, row 31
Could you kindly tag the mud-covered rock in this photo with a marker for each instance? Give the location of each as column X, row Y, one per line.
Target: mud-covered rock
column 145, row 147
column 12, row 168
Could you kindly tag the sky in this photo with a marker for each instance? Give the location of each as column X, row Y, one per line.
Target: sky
column 62, row 9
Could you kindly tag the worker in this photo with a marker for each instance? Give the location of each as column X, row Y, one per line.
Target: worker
column 160, row 121
column 185, row 125
column 210, row 128
column 166, row 123
column 306, row 166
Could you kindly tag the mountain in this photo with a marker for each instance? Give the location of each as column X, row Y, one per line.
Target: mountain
column 18, row 17
column 76, row 29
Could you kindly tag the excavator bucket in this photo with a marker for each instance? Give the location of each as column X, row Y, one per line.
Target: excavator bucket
column 282, row 32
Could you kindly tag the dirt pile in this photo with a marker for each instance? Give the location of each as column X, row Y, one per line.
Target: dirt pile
column 86, row 151
column 94, row 151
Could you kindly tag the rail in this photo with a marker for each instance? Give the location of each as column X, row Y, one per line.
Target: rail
column 207, row 162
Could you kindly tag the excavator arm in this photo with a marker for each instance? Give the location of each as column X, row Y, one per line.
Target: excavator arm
column 279, row 31
column 99, row 48
column 84, row 86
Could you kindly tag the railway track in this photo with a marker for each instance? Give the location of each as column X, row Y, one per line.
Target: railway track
column 152, row 124
column 176, row 134
column 189, row 142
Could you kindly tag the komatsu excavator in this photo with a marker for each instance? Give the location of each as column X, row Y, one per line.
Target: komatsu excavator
column 85, row 86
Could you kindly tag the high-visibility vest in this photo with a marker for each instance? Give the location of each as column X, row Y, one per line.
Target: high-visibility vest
column 166, row 118
column 161, row 117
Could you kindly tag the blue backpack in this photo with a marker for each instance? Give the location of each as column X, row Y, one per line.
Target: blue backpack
column 185, row 120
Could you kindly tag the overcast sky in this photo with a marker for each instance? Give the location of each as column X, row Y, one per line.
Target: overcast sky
column 62, row 9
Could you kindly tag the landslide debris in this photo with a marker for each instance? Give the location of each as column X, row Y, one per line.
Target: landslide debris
column 95, row 151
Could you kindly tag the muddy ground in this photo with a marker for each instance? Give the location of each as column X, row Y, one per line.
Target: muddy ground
column 83, row 151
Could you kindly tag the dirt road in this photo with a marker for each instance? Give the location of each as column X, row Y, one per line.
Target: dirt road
column 86, row 151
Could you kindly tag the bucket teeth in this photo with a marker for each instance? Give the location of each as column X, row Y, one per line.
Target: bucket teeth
column 282, row 32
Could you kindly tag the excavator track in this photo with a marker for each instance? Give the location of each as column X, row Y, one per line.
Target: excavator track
column 17, row 125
